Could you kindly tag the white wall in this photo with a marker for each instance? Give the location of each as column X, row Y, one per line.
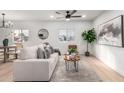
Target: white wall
column 110, row 55
column 53, row 28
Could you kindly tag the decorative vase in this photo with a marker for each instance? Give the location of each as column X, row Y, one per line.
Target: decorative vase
column 87, row 53
column 73, row 55
column 5, row 42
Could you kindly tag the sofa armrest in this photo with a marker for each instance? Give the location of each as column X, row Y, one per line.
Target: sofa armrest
column 31, row 70
column 57, row 51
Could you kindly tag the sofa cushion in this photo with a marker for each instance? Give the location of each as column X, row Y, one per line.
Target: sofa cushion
column 40, row 53
column 28, row 53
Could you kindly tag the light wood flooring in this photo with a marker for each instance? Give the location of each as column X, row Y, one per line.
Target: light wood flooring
column 103, row 71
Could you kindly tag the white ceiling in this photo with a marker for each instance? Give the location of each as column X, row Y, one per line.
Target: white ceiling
column 45, row 14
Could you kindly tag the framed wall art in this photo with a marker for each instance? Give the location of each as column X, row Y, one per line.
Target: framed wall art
column 111, row 32
column 20, row 35
column 66, row 35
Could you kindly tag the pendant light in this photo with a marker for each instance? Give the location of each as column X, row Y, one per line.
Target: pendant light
column 8, row 24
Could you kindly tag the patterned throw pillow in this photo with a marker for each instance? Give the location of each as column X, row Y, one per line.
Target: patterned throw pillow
column 50, row 48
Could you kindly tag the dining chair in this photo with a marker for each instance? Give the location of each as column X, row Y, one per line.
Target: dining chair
column 1, row 54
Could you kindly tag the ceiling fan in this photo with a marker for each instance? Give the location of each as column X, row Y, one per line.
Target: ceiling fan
column 68, row 14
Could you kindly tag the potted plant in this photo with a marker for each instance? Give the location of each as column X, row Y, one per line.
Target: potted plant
column 89, row 36
column 72, row 50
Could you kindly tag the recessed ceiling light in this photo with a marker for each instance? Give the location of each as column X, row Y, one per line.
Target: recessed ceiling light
column 51, row 16
column 83, row 16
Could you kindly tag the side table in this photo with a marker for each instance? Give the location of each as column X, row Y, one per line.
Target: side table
column 71, row 58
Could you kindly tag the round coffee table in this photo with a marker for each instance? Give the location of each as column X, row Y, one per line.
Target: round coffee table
column 71, row 58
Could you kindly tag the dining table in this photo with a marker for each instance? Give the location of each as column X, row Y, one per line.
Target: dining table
column 6, row 50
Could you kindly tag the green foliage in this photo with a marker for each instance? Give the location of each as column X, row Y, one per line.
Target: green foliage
column 72, row 50
column 89, row 36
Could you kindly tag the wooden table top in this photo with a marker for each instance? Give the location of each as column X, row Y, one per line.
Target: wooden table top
column 9, row 46
column 71, row 57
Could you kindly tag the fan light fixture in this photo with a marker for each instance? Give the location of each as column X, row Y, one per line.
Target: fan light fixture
column 83, row 16
column 8, row 24
column 67, row 19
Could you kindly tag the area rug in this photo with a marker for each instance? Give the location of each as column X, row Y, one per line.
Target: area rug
column 85, row 73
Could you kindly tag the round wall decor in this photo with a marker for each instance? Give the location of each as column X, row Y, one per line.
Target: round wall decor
column 43, row 33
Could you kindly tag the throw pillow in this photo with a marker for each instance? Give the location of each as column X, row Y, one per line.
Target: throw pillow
column 47, row 53
column 40, row 53
column 50, row 48
column 41, row 46
column 28, row 53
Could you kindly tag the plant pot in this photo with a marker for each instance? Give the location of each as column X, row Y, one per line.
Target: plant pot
column 87, row 53
column 5, row 42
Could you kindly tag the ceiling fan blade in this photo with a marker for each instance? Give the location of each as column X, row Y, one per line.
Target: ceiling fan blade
column 60, row 17
column 58, row 13
column 76, row 16
column 74, row 11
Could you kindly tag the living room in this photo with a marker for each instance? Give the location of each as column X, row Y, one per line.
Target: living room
column 61, row 29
